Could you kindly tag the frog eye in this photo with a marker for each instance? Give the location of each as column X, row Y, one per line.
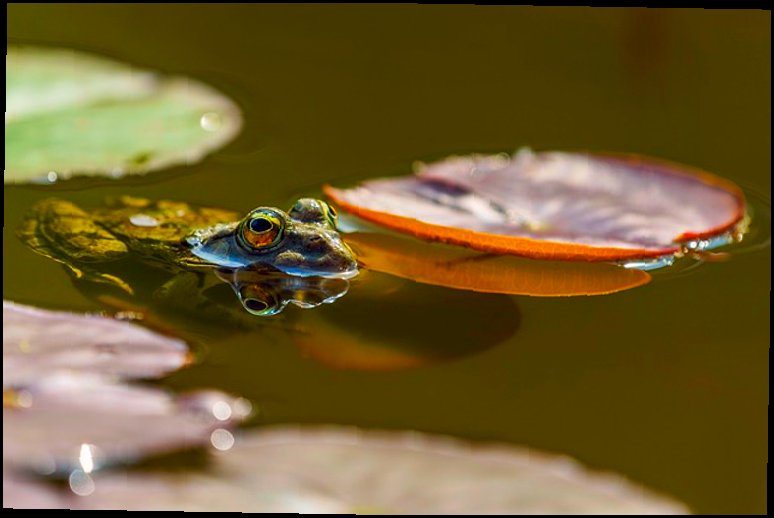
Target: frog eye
column 262, row 229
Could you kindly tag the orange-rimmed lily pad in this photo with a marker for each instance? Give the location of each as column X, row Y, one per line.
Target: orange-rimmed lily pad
column 459, row 268
column 553, row 205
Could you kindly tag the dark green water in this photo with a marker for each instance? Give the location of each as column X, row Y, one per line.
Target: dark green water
column 666, row 384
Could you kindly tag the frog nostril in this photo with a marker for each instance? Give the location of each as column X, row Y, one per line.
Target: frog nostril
column 315, row 244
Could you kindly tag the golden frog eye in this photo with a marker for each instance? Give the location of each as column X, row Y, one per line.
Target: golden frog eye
column 262, row 229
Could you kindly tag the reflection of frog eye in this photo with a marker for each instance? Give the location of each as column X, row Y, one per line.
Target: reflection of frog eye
column 258, row 301
column 262, row 229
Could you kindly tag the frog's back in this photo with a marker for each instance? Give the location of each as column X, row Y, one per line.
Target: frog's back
column 158, row 229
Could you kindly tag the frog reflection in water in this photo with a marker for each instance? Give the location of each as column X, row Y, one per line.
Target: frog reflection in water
column 295, row 257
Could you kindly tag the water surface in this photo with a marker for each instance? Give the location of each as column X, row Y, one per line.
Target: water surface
column 666, row 383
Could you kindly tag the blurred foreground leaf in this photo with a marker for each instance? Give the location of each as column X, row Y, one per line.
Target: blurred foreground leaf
column 70, row 113
column 349, row 471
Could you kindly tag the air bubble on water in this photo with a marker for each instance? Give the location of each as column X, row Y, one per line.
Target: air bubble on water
column 143, row 220
column 211, row 121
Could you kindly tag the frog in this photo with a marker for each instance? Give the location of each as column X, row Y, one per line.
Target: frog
column 281, row 255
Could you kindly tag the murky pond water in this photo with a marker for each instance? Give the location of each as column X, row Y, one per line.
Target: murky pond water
column 665, row 383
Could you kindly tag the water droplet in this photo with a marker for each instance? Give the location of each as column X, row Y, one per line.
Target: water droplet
column 211, row 121
column 86, row 458
column 143, row 220
column 242, row 407
column 52, row 176
column 221, row 410
column 24, row 398
column 222, row 439
column 650, row 264
column 81, row 483
column 16, row 398
column 43, row 465
column 24, row 345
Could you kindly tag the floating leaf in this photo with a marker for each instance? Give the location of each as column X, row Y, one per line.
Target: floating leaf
column 70, row 113
column 553, row 205
column 51, row 425
column 24, row 492
column 460, row 268
column 38, row 343
column 346, row 471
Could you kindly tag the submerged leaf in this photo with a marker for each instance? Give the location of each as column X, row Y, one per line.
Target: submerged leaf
column 69, row 113
column 38, row 343
column 49, row 422
column 347, row 471
column 552, row 205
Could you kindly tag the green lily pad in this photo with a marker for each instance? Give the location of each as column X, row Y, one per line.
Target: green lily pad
column 71, row 114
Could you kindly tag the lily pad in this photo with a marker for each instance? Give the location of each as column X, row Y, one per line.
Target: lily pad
column 69, row 113
column 38, row 343
column 24, row 492
column 348, row 471
column 554, row 205
column 67, row 422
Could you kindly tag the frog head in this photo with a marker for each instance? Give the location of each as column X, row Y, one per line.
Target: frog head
column 302, row 242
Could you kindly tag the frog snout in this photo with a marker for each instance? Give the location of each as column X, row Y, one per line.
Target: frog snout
column 329, row 254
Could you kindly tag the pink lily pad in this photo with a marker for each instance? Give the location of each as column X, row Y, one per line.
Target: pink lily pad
column 38, row 343
column 23, row 492
column 553, row 205
column 344, row 470
column 57, row 422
